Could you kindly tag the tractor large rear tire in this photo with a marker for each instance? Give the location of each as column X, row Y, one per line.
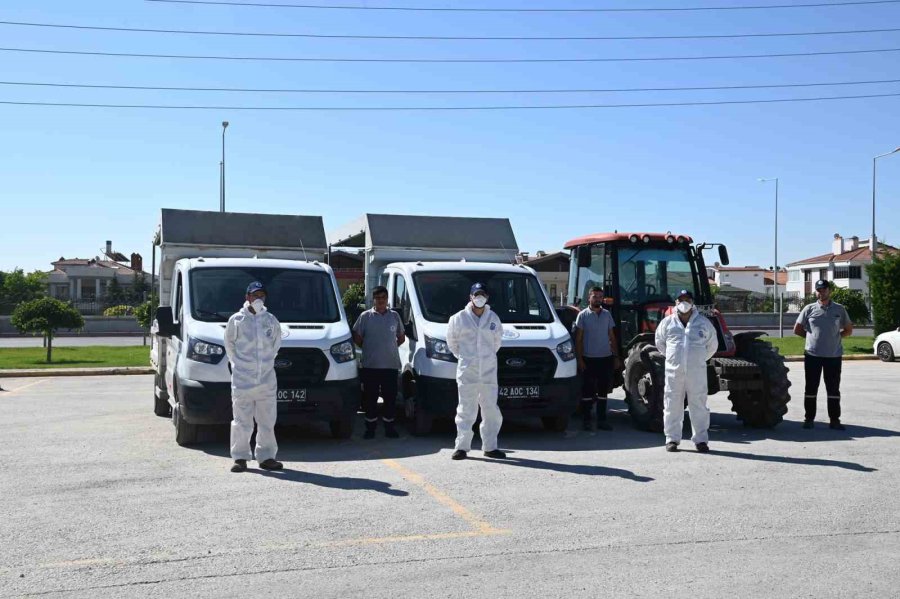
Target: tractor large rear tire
column 766, row 407
column 645, row 379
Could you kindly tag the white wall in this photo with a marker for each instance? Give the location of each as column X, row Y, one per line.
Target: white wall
column 750, row 280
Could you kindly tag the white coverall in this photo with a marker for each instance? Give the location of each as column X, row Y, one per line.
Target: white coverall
column 475, row 342
column 251, row 342
column 687, row 349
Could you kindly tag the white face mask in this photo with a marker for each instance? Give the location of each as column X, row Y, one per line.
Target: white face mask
column 684, row 307
column 258, row 304
column 480, row 301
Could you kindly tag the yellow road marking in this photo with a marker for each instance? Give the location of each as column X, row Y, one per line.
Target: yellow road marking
column 38, row 382
column 417, row 479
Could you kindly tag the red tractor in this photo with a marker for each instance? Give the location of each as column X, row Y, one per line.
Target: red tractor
column 641, row 274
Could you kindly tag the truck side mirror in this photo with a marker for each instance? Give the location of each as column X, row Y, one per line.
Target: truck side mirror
column 584, row 257
column 165, row 322
column 723, row 255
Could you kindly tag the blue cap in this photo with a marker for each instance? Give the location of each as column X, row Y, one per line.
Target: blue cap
column 254, row 287
column 685, row 293
column 476, row 288
column 822, row 284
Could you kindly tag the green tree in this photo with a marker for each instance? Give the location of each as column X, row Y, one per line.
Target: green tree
column 139, row 287
column 884, row 287
column 854, row 302
column 352, row 299
column 144, row 315
column 19, row 287
column 46, row 315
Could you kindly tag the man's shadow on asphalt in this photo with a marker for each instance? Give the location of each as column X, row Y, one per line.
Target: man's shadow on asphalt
column 567, row 468
column 788, row 460
column 345, row 483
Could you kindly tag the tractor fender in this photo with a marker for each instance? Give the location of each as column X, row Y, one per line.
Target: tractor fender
column 642, row 338
column 743, row 338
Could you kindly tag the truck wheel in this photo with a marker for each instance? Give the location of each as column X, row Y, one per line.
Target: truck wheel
column 185, row 433
column 766, row 407
column 644, row 384
column 343, row 428
column 161, row 405
column 556, row 424
column 885, row 352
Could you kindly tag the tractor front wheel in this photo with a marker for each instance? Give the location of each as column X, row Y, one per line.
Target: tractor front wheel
column 644, row 385
column 765, row 407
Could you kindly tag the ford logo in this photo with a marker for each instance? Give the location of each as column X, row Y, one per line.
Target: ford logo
column 515, row 362
column 283, row 363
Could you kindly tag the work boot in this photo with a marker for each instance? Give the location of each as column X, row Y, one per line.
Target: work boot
column 603, row 425
column 459, row 454
column 702, row 448
column 585, row 408
column 370, row 430
column 271, row 464
column 807, row 424
column 239, row 466
column 837, row 426
column 495, row 454
column 390, row 431
column 671, row 446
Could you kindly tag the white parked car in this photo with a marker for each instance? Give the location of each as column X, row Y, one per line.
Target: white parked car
column 887, row 345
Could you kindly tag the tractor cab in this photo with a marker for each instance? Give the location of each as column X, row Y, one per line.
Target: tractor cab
column 641, row 275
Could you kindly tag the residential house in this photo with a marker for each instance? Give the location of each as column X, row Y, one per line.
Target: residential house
column 844, row 266
column 349, row 268
column 86, row 281
column 553, row 271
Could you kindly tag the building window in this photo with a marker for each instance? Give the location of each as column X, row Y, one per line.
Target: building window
column 847, row 272
column 793, row 275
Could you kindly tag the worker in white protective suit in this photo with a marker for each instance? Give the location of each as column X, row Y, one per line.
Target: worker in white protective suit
column 474, row 336
column 252, row 339
column 688, row 340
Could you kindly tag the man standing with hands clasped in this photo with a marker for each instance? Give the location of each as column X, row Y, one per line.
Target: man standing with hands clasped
column 823, row 324
column 598, row 353
column 688, row 340
column 474, row 335
column 252, row 340
column 379, row 332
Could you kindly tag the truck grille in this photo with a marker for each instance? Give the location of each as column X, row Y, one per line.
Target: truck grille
column 525, row 366
column 300, row 367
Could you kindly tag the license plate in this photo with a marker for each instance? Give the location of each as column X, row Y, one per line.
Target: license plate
column 523, row 392
column 291, row 395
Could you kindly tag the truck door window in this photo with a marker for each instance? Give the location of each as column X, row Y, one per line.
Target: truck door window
column 179, row 305
column 401, row 297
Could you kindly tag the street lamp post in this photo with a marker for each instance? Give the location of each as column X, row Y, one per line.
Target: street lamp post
column 779, row 304
column 873, row 245
column 222, row 171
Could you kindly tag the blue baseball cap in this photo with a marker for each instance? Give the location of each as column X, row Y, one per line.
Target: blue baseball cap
column 685, row 293
column 254, row 287
column 476, row 288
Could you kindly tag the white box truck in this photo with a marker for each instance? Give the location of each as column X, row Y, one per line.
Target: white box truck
column 207, row 259
column 428, row 264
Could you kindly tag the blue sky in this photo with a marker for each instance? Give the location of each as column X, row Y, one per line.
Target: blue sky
column 71, row 178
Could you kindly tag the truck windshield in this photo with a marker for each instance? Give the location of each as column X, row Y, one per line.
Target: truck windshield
column 655, row 274
column 293, row 295
column 514, row 297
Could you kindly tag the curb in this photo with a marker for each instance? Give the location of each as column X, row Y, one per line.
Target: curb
column 851, row 358
column 47, row 372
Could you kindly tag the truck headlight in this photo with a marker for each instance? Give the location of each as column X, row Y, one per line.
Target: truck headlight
column 438, row 350
column 343, row 352
column 566, row 351
column 204, row 351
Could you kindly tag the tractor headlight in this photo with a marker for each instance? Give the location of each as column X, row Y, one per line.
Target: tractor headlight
column 343, row 352
column 566, row 351
column 204, row 351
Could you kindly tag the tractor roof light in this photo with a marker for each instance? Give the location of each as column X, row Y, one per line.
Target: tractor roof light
column 633, row 239
column 670, row 239
column 646, row 239
column 682, row 239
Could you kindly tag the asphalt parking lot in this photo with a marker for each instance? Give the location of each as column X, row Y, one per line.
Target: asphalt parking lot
column 98, row 501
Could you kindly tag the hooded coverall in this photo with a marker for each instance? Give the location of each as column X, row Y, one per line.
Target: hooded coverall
column 251, row 342
column 687, row 349
column 475, row 341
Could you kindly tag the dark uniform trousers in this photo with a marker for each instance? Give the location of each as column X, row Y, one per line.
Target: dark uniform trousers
column 379, row 382
column 815, row 367
column 596, row 383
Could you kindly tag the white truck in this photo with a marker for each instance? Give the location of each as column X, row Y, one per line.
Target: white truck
column 428, row 264
column 207, row 259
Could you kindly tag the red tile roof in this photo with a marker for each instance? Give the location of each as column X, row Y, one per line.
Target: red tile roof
column 859, row 255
